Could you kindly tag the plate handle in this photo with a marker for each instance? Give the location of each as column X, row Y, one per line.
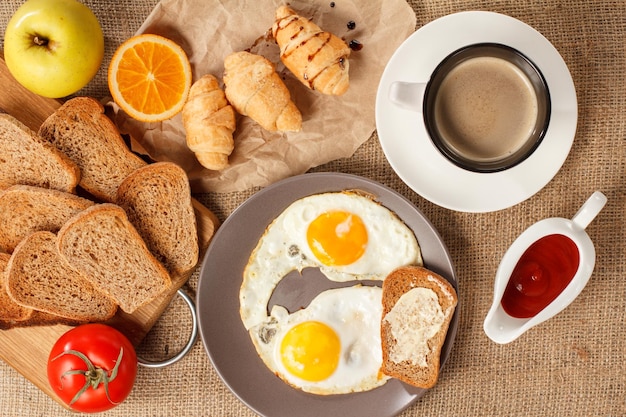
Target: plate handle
column 192, row 339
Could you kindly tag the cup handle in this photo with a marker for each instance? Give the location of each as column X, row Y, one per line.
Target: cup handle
column 407, row 95
column 589, row 210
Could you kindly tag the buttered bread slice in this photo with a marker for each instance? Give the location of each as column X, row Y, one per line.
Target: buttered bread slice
column 25, row 158
column 82, row 131
column 418, row 306
column 103, row 245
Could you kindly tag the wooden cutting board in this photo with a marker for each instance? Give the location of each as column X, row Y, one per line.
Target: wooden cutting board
column 27, row 349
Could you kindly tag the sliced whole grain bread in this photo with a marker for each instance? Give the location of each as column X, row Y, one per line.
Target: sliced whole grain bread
column 25, row 158
column 26, row 209
column 102, row 243
column 157, row 200
column 81, row 130
column 38, row 277
column 418, row 306
column 9, row 309
column 38, row 318
column 13, row 315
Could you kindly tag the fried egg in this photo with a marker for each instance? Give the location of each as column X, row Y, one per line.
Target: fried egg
column 347, row 235
column 330, row 347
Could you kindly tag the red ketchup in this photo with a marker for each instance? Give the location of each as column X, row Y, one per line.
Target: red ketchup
column 541, row 274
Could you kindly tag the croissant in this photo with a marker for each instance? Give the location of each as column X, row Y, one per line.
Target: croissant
column 209, row 122
column 318, row 59
column 255, row 90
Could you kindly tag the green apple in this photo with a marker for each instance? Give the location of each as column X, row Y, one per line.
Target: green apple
column 53, row 47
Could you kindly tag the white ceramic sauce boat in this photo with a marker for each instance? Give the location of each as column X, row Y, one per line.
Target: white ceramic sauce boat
column 503, row 328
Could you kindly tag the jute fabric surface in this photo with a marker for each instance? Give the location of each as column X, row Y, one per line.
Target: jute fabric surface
column 572, row 365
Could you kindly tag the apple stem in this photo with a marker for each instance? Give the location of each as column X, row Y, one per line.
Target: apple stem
column 40, row 41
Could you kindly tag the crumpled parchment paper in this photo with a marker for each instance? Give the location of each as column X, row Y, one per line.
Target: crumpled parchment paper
column 333, row 127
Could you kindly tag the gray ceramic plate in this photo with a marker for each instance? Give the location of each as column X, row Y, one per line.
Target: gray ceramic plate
column 225, row 339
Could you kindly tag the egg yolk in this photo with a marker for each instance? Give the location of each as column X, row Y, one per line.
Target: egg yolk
column 310, row 350
column 337, row 238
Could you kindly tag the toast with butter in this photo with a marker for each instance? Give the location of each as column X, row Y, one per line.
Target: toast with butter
column 418, row 306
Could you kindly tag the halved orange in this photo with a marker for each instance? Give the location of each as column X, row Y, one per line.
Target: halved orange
column 149, row 77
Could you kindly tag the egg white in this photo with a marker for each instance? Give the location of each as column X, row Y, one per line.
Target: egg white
column 284, row 248
column 354, row 313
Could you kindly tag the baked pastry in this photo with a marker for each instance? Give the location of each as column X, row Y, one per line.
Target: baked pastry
column 255, row 90
column 418, row 305
column 317, row 58
column 209, row 123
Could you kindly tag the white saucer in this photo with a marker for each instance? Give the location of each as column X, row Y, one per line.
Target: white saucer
column 417, row 161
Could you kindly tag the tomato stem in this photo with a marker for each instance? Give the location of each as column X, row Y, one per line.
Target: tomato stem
column 94, row 376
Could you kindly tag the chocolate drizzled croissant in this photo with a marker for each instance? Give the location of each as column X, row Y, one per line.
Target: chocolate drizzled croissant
column 317, row 58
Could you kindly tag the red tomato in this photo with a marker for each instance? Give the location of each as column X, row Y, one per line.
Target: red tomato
column 92, row 367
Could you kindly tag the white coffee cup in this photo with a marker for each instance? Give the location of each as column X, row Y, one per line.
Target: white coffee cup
column 486, row 107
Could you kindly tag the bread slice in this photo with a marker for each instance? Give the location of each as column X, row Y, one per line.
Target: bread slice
column 83, row 132
column 101, row 243
column 38, row 277
column 13, row 315
column 417, row 308
column 157, row 201
column 27, row 159
column 38, row 318
column 26, row 209
column 9, row 309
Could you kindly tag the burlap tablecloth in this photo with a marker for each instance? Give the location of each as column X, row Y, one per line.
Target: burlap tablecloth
column 572, row 365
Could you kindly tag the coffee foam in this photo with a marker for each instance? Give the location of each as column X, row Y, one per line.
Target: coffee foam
column 486, row 108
